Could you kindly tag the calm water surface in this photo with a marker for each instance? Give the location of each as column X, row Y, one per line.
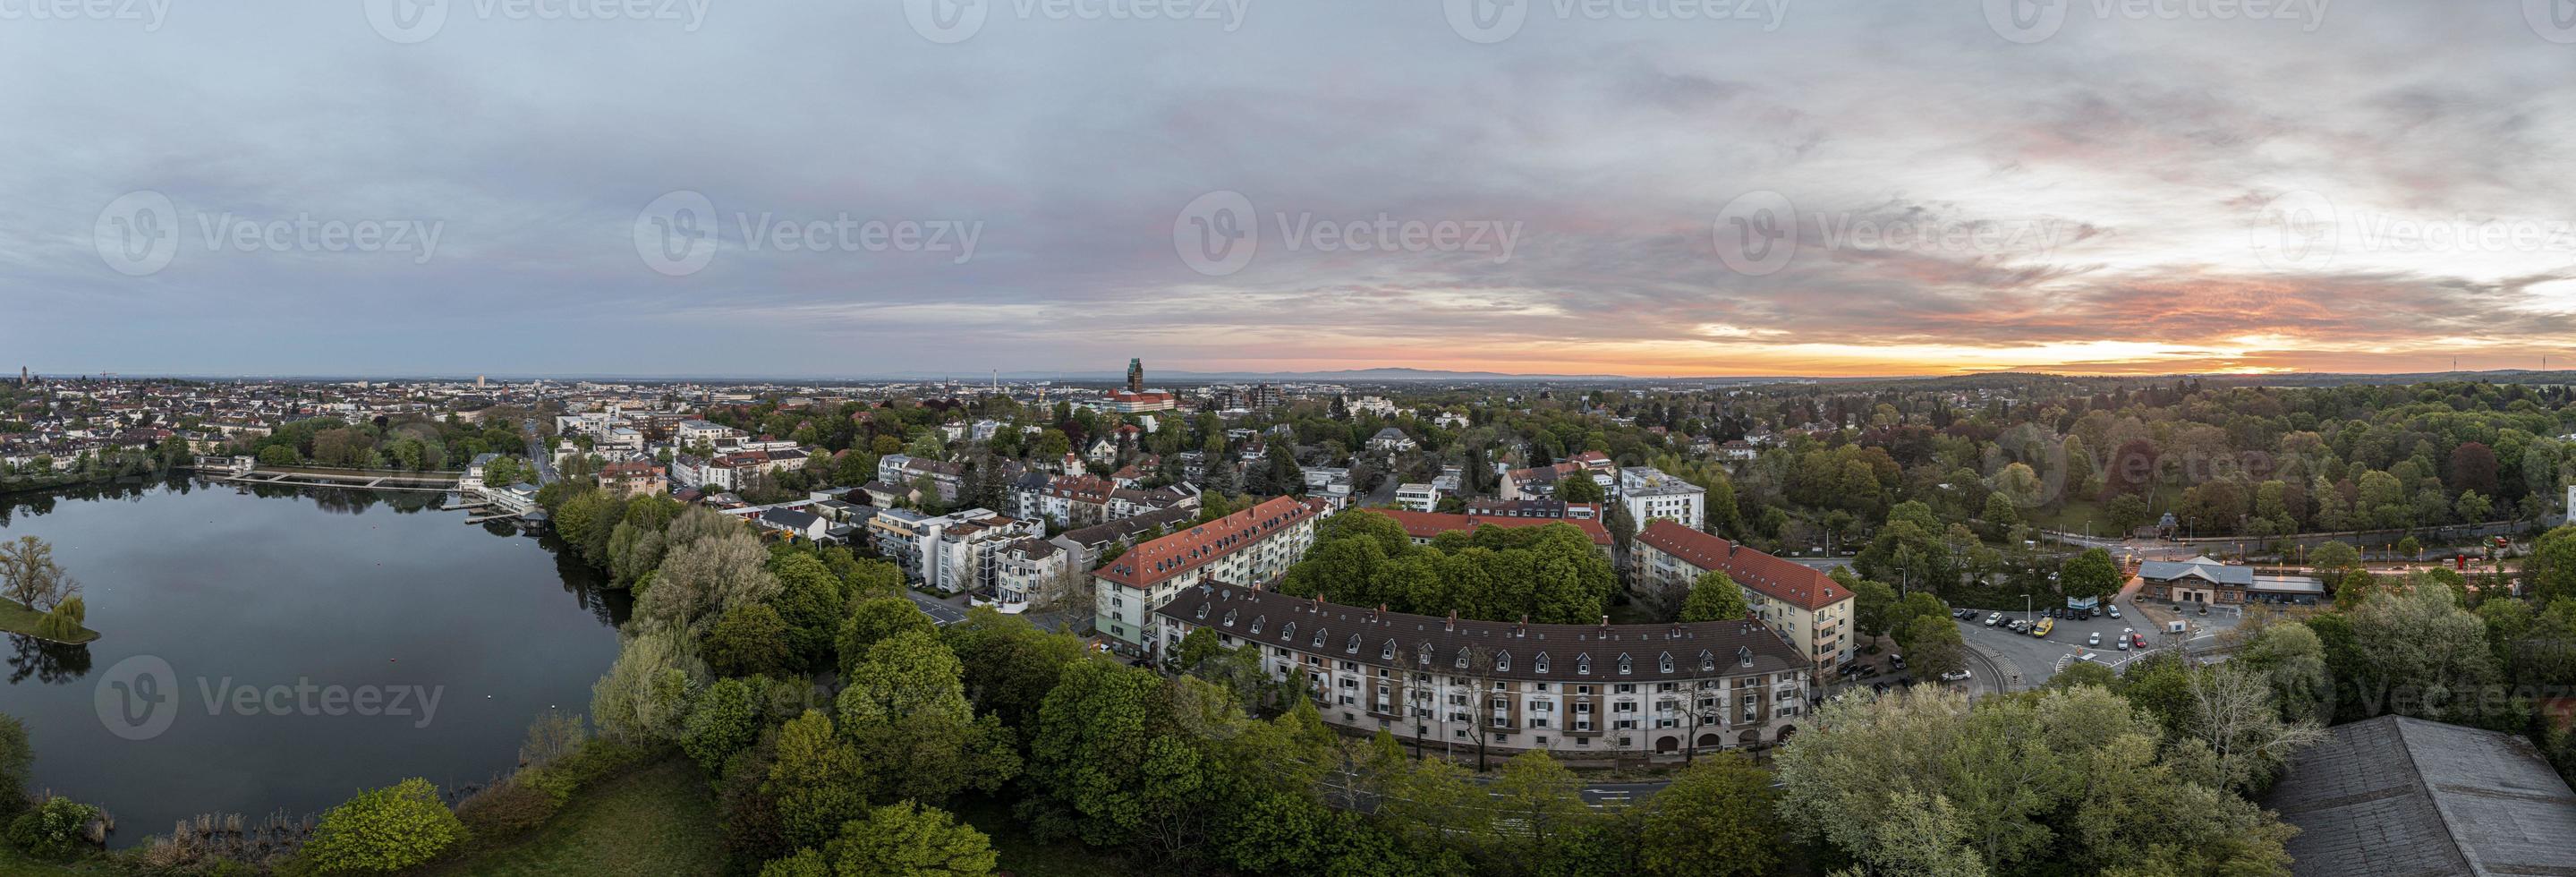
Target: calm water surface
column 483, row 628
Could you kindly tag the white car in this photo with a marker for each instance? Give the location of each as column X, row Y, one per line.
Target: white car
column 1995, row 619
column 2093, row 639
column 2115, row 611
column 1962, row 675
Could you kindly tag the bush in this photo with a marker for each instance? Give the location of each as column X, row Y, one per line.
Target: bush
column 53, row 830
column 384, row 830
column 506, row 810
column 596, row 760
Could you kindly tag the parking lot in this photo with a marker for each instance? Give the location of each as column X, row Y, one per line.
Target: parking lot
column 2034, row 659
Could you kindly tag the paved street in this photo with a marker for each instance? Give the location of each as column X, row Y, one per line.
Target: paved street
column 941, row 612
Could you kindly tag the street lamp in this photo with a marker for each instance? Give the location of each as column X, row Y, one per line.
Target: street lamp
column 2025, row 607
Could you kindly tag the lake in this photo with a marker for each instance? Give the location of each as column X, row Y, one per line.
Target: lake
column 317, row 642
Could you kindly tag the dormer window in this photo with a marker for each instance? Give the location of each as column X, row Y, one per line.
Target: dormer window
column 1624, row 665
column 1318, row 641
column 1540, row 665
column 1354, row 647
column 1583, row 665
column 1288, row 632
column 1426, row 654
column 1665, row 661
column 1388, row 653
column 1256, row 623
column 1707, row 662
column 1502, row 662
column 1202, row 613
column 1229, row 618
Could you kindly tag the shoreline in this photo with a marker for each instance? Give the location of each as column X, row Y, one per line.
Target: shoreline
column 16, row 618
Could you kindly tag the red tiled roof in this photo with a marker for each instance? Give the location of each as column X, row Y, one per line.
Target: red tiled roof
column 1198, row 546
column 1425, row 525
column 1771, row 576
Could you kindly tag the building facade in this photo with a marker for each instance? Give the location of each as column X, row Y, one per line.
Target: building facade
column 1576, row 691
column 1808, row 609
column 1650, row 494
column 1254, row 545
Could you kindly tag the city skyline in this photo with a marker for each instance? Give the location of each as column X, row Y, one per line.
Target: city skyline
column 1569, row 188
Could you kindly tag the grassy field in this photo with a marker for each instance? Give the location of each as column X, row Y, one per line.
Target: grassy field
column 658, row 820
column 12, row 865
column 1025, row 856
column 15, row 617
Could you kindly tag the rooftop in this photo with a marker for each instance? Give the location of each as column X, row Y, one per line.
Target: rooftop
column 2395, row 795
column 1763, row 573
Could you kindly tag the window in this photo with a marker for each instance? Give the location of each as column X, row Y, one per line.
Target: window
column 1666, row 661
column 1583, row 665
column 1624, row 665
column 1256, row 623
column 1540, row 665
column 1462, row 659
column 1624, row 688
column 1502, row 662
column 1388, row 653
column 1288, row 631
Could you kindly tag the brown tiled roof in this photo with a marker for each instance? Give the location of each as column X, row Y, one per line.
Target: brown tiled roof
column 1425, row 525
column 1298, row 623
column 1771, row 576
column 1197, row 546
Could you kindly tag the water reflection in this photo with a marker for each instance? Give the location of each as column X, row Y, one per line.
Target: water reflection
column 47, row 662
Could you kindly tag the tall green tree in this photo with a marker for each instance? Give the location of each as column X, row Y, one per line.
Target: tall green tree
column 1715, row 820
column 1715, row 597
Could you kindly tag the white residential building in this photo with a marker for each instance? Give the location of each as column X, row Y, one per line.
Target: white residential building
column 1651, row 494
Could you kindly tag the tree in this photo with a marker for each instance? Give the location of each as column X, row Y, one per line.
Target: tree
column 2551, row 571
column 1010, row 663
column 1537, row 806
column 722, row 722
column 2070, row 780
column 1715, row 597
column 2422, row 655
column 645, row 695
column 701, row 579
column 17, row 761
column 906, row 714
column 750, row 640
column 875, row 620
column 2090, row 574
column 817, row 782
column 2233, row 714
column 1714, row 820
column 910, row 840
column 1578, row 487
column 1872, row 603
column 29, row 575
column 811, row 603
column 1932, row 645
column 384, row 830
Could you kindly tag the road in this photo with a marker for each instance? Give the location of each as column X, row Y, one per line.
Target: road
column 537, row 453
column 941, row 612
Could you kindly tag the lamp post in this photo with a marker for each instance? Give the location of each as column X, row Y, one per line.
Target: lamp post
column 2025, row 607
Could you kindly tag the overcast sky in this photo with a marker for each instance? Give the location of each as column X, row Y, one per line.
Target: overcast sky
column 1650, row 187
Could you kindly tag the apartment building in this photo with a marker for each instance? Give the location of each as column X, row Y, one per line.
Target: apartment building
column 1812, row 611
column 1650, row 494
column 1254, row 545
column 1539, row 482
column 952, row 553
column 1612, row 692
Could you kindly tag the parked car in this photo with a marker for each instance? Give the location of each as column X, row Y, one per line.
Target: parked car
column 1896, row 661
column 1994, row 619
column 2114, row 609
column 2140, row 638
column 2043, row 627
column 1955, row 677
column 2093, row 639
